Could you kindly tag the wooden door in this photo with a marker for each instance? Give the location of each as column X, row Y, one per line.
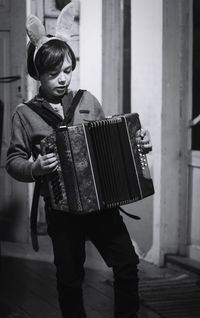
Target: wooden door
column 13, row 195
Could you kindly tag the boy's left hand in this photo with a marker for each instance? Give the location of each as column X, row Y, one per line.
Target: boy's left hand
column 143, row 137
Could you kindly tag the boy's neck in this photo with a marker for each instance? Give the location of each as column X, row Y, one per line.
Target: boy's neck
column 50, row 99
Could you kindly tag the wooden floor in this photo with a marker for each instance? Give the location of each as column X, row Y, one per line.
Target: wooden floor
column 28, row 290
column 28, row 286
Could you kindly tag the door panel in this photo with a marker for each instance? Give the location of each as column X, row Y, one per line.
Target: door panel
column 5, row 182
column 13, row 195
column 4, row 92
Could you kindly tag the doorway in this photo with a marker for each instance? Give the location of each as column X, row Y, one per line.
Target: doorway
column 194, row 155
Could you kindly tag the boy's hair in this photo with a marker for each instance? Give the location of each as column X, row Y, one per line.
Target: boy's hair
column 49, row 57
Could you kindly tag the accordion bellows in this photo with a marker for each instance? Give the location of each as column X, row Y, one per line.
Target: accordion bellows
column 101, row 165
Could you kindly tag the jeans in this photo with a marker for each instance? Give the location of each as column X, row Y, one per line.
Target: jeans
column 108, row 233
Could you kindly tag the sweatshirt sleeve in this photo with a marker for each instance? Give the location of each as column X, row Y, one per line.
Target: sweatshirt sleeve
column 18, row 164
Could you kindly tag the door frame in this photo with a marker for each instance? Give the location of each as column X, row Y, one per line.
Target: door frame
column 186, row 114
column 193, row 251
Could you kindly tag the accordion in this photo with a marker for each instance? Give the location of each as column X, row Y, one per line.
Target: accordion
column 101, row 165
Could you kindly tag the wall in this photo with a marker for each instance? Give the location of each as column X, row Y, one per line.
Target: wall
column 91, row 46
column 147, row 101
column 160, row 96
column 174, row 44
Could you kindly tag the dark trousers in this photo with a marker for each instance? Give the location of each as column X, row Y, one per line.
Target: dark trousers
column 108, row 233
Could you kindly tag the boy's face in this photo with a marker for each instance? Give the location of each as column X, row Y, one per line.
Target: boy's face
column 55, row 83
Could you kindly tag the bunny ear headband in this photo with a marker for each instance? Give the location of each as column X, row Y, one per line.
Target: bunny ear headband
column 37, row 33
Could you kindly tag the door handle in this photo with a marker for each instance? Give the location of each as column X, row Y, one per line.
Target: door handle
column 195, row 121
column 9, row 79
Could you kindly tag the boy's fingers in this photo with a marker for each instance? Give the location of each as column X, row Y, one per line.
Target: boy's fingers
column 51, row 160
column 49, row 156
column 52, row 165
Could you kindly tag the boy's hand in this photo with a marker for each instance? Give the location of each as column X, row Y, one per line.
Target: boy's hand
column 143, row 137
column 44, row 164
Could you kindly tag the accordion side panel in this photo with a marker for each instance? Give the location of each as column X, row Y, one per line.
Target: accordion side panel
column 83, row 168
column 129, row 164
column 143, row 173
column 55, row 180
column 68, row 170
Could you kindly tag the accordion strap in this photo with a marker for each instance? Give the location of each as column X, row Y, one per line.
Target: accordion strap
column 132, row 216
column 49, row 117
column 34, row 213
column 69, row 115
column 53, row 122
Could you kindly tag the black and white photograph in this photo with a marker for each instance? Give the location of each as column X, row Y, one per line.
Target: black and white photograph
column 99, row 159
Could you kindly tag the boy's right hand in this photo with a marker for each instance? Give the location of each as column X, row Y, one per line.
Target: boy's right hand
column 44, row 164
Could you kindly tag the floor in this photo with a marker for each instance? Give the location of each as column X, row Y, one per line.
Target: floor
column 28, row 286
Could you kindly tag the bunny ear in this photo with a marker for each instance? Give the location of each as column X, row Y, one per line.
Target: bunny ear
column 65, row 21
column 35, row 29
